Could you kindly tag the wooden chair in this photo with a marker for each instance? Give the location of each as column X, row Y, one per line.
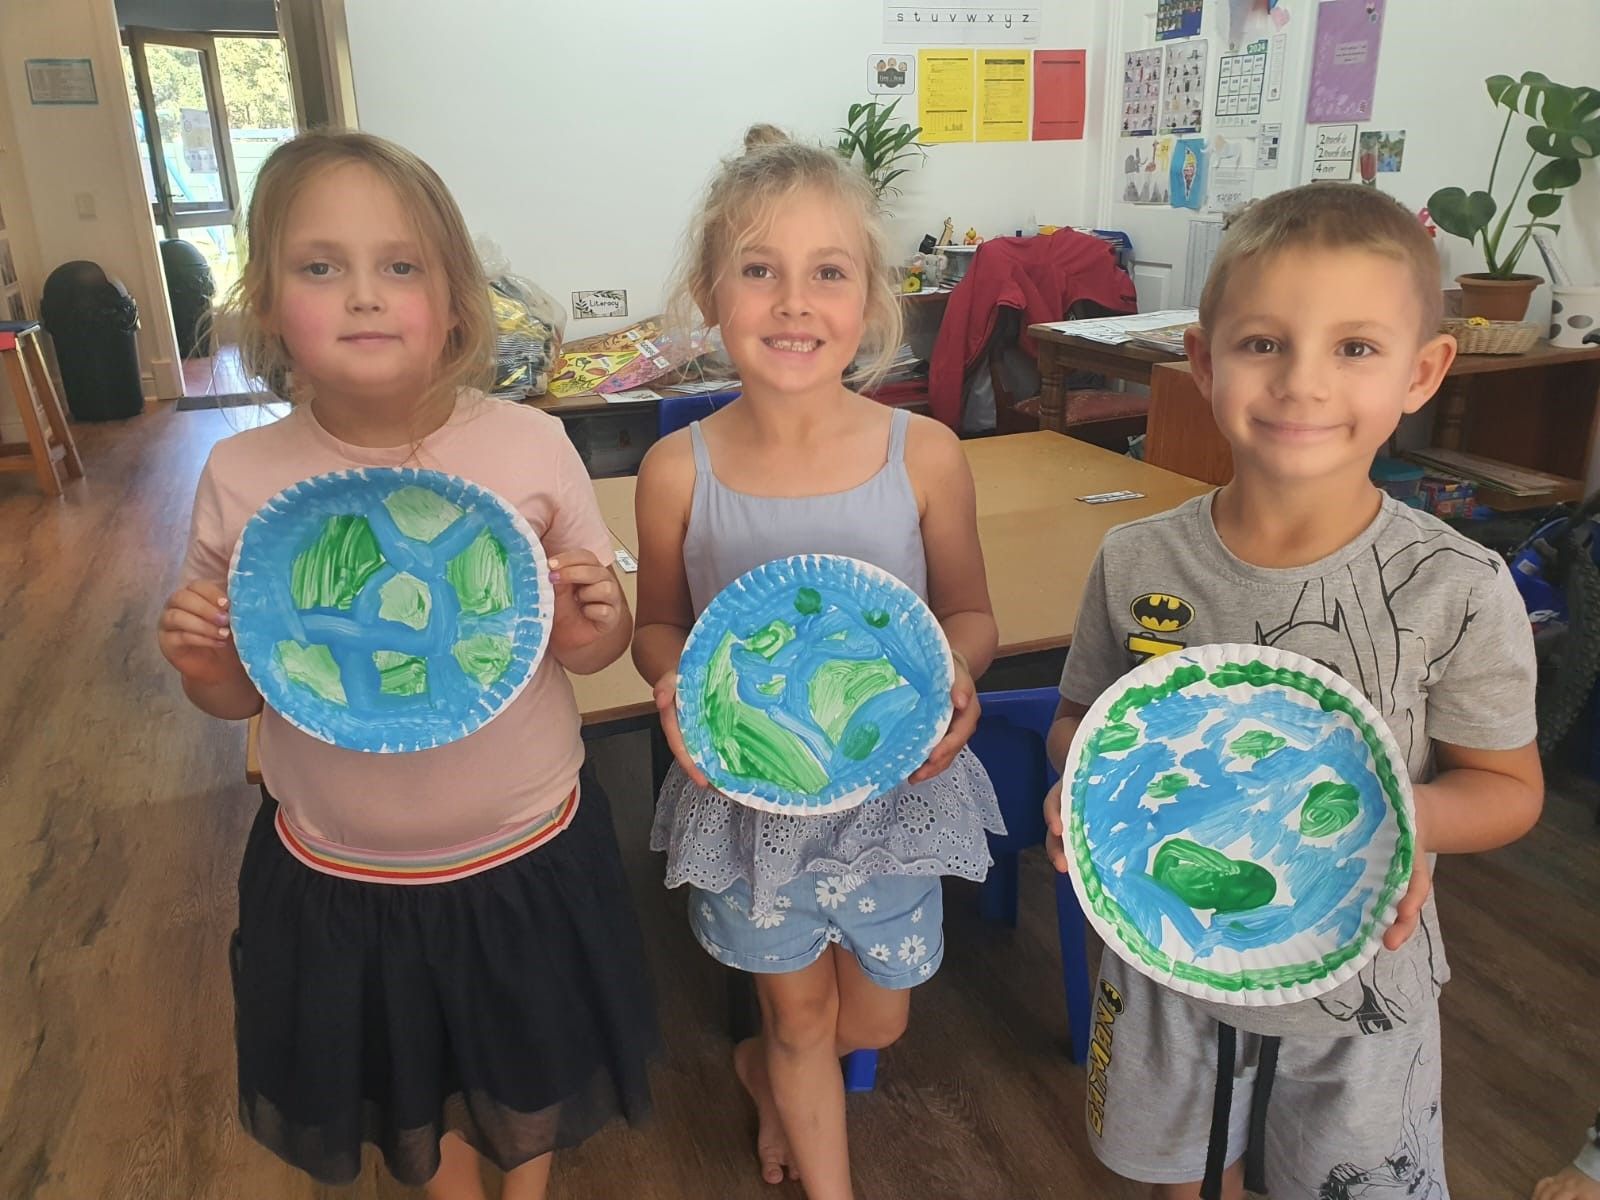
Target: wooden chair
column 49, row 447
column 1097, row 415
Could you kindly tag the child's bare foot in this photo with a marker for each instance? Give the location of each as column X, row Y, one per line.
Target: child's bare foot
column 772, row 1147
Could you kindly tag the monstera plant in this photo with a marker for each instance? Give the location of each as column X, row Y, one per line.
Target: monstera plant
column 1562, row 128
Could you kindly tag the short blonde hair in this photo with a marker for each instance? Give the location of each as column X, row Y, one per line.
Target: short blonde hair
column 739, row 203
column 1334, row 216
column 467, row 358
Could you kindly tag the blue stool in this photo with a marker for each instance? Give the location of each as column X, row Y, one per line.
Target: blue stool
column 1009, row 741
column 677, row 411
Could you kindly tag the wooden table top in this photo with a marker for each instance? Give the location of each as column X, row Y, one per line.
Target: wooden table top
column 1039, row 541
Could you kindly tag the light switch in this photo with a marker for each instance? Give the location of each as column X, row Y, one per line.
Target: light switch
column 85, row 206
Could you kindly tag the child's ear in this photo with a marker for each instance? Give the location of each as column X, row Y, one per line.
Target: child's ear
column 1427, row 373
column 1198, row 347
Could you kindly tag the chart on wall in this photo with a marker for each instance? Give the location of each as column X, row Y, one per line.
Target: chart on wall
column 1178, row 18
column 1141, row 91
column 1183, row 88
column 1344, row 63
column 960, row 24
column 1241, row 80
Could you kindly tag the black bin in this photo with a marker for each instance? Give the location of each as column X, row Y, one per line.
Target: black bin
column 93, row 322
column 190, row 288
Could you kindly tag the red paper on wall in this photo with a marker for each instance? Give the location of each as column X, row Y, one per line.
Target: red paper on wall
column 1058, row 83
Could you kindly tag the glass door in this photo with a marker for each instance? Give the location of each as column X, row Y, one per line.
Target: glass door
column 184, row 133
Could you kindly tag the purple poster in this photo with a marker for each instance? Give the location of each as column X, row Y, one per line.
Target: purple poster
column 1344, row 64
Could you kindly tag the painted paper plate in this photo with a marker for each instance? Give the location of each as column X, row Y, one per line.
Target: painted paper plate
column 812, row 683
column 1240, row 823
column 389, row 609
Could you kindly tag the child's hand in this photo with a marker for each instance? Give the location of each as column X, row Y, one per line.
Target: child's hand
column 195, row 637
column 1054, row 840
column 963, row 720
column 1569, row 1183
column 666, row 697
column 589, row 601
column 1409, row 914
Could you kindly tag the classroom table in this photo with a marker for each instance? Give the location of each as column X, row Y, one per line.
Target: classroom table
column 1061, row 354
column 1039, row 540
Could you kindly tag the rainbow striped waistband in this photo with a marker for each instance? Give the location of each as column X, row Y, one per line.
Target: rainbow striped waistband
column 429, row 866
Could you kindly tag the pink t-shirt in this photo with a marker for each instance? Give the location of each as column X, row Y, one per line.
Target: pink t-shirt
column 519, row 765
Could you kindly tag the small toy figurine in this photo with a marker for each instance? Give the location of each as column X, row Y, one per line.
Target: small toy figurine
column 947, row 236
column 972, row 238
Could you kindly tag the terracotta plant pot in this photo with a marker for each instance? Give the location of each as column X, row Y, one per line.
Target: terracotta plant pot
column 1497, row 299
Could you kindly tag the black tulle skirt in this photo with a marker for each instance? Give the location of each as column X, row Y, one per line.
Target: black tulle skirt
column 512, row 1006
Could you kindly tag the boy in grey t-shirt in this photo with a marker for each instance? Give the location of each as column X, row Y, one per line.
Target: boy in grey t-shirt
column 1318, row 330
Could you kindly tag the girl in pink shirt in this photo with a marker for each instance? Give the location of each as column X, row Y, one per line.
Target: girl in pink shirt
column 436, row 950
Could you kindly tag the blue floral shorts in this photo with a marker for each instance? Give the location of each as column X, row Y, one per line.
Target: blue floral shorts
column 893, row 924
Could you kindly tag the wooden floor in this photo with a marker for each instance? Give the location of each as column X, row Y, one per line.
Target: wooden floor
column 123, row 815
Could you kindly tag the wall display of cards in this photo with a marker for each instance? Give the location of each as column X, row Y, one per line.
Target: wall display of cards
column 1183, row 89
column 960, row 24
column 1241, row 79
column 890, row 74
column 1141, row 91
column 1178, row 18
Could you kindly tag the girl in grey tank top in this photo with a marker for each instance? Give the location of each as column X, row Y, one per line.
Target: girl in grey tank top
column 787, row 261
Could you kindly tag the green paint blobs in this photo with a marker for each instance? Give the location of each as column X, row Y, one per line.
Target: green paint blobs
column 331, row 571
column 1204, row 878
column 773, row 686
column 1258, row 743
column 484, row 656
column 841, row 686
column 312, row 667
column 1329, row 808
column 420, row 514
column 1168, row 785
column 808, row 601
column 877, row 618
column 1116, row 735
column 400, row 674
column 405, row 599
column 769, row 640
column 748, row 741
column 481, row 576
column 859, row 742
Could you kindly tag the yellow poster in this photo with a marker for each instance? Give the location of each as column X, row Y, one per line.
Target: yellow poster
column 1004, row 88
column 944, row 97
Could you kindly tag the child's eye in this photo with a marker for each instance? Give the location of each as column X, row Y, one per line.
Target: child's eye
column 757, row 271
column 831, row 274
column 1358, row 350
column 318, row 269
column 1260, row 345
column 404, row 268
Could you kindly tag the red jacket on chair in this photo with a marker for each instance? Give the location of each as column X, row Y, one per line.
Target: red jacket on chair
column 1041, row 276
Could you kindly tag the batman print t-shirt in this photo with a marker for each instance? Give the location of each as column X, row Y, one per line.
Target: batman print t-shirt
column 1421, row 619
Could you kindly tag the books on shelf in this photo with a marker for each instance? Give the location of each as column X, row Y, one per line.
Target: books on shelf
column 1489, row 472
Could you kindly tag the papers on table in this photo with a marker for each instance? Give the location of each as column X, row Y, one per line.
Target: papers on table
column 1113, row 331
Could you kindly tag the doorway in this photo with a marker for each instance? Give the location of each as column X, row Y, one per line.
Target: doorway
column 208, row 108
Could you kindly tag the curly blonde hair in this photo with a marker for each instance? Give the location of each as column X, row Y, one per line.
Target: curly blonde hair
column 467, row 358
column 1334, row 216
column 740, row 202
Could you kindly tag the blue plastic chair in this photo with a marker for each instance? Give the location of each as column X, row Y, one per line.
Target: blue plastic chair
column 1009, row 741
column 677, row 411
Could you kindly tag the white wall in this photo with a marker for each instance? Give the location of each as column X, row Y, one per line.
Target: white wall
column 578, row 135
column 69, row 151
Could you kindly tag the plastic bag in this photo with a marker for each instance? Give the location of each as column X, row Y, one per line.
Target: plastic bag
column 528, row 326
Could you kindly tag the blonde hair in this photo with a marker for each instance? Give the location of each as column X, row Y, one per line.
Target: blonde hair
column 740, row 202
column 468, row 352
column 1333, row 216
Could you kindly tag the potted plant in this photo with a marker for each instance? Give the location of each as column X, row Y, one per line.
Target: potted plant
column 883, row 149
column 1563, row 129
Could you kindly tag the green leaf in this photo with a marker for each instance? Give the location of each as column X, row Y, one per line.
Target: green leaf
column 1542, row 204
column 1458, row 213
column 1534, row 87
column 1558, row 173
column 1502, row 89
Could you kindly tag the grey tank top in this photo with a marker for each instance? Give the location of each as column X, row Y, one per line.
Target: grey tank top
column 932, row 828
column 876, row 521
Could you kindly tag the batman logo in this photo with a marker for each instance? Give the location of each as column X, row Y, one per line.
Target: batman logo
column 1161, row 613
